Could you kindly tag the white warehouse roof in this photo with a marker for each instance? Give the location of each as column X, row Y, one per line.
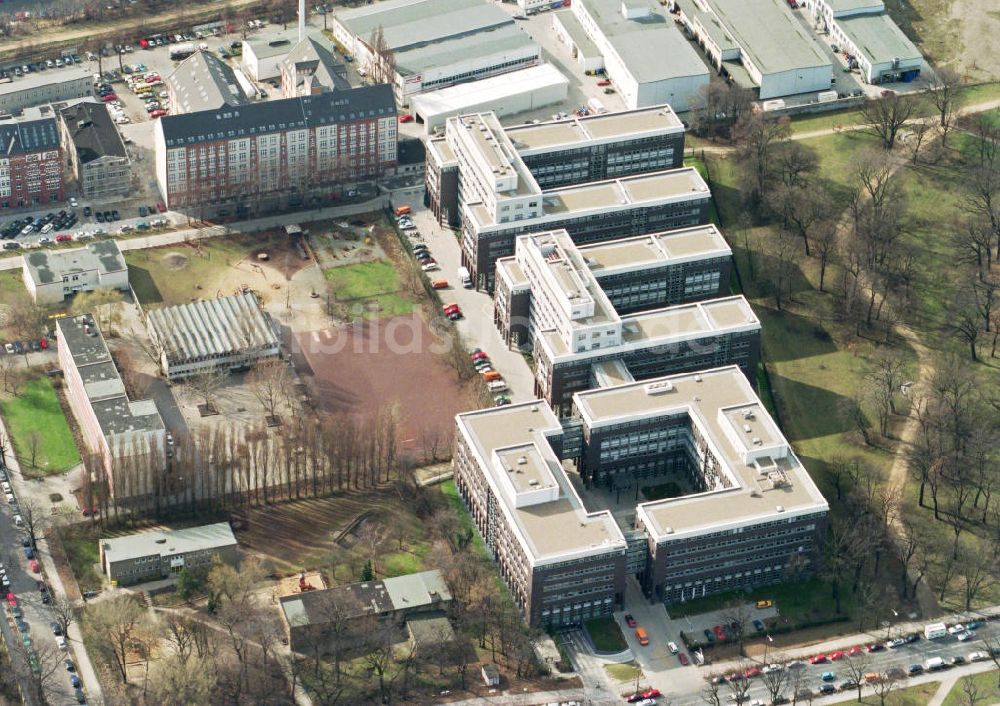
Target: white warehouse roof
column 469, row 97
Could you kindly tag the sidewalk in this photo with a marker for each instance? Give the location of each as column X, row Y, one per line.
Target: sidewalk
column 84, row 667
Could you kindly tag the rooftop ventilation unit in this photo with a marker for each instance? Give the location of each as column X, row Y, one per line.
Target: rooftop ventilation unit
column 757, row 441
column 656, row 388
column 522, row 460
column 780, row 508
column 532, row 482
column 747, row 413
column 747, row 429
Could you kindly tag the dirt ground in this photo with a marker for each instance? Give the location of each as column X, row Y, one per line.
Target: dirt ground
column 964, row 34
column 369, row 365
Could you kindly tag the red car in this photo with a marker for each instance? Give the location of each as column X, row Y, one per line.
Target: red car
column 406, row 118
column 752, row 672
column 480, row 355
column 33, row 565
column 604, row 82
column 449, row 308
column 12, row 600
column 161, row 207
column 854, row 651
column 110, row 97
column 719, row 632
column 817, row 659
column 683, row 659
column 43, row 342
column 63, row 238
column 153, row 78
column 834, row 656
column 651, row 694
column 158, row 113
column 629, row 620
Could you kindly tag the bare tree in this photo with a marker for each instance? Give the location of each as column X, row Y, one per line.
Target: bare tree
column 971, row 694
column 64, row 613
column 34, row 445
column 757, row 137
column 885, row 116
column 382, row 64
column 775, row 679
column 722, row 105
column 883, row 383
column 205, row 384
column 739, row 688
column 182, row 681
column 35, row 518
column 269, row 383
column 884, row 685
column 944, row 90
column 11, row 375
column 116, row 624
column 26, row 320
column 857, row 666
column 371, row 537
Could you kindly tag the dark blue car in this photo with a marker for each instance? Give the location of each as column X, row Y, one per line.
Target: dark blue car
column 29, row 552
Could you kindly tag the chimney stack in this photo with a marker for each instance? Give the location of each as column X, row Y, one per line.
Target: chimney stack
column 302, row 20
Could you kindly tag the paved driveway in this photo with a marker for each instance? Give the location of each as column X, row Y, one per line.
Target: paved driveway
column 598, row 686
column 476, row 329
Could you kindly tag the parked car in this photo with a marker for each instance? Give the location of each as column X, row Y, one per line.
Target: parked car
column 406, row 118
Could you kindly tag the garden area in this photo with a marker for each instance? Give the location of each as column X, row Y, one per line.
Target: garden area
column 38, row 428
column 605, row 634
column 373, row 289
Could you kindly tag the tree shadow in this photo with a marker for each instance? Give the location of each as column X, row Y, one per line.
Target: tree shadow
column 790, row 336
column 824, row 418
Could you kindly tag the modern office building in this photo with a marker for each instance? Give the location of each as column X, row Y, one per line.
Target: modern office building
column 752, row 515
column 590, row 213
column 203, row 82
column 562, row 152
column 97, row 154
column 548, row 296
column 31, row 160
column 127, row 436
column 151, row 556
column 434, row 43
column 52, row 275
column 504, row 94
column 762, row 45
column 863, row 29
column 41, row 88
column 231, row 333
column 645, row 54
column 562, row 563
column 274, row 154
column 314, row 616
column 747, row 515
column 310, row 68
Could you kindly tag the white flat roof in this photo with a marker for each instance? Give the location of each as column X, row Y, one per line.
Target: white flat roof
column 467, row 97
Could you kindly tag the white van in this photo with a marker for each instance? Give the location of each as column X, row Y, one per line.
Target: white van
column 11, row 499
column 497, row 386
column 18, row 521
column 935, row 630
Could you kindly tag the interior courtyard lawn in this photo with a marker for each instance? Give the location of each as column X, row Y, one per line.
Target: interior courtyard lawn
column 605, row 634
column 375, row 286
column 36, row 410
column 987, row 684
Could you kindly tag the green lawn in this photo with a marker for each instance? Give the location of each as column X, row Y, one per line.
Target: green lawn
column 987, row 686
column 83, row 554
column 450, row 492
column 372, row 285
column 663, row 490
column 919, row 695
column 623, row 672
column 36, row 409
column 605, row 634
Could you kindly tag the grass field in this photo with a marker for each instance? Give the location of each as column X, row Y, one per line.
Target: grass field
column 605, row 634
column 450, row 492
column 919, row 695
column 623, row 672
column 83, row 553
column 372, row 285
column 36, row 409
column 986, row 685
column 173, row 274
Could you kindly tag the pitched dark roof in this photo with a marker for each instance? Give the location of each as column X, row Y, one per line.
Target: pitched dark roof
column 204, row 82
column 312, row 56
column 93, row 134
column 24, row 136
column 275, row 116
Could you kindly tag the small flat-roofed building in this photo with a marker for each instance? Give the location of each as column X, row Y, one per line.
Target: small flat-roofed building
column 121, row 432
column 150, row 556
column 52, row 275
column 230, row 333
column 311, row 68
column 429, row 633
column 97, row 154
column 203, row 82
column 645, row 54
column 39, row 88
column 564, row 152
column 590, row 213
column 435, row 43
column 763, row 41
column 562, row 563
column 750, row 516
column 308, row 615
column 863, row 29
column 753, row 514
column 504, row 94
column 262, row 54
column 570, row 32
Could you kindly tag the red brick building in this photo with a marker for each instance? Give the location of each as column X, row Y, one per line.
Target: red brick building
column 275, row 154
column 31, row 162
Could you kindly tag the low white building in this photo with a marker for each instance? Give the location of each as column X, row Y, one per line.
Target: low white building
column 46, row 87
column 864, row 30
column 645, row 55
column 52, row 275
column 263, row 54
column 435, row 43
column 762, row 45
column 507, row 94
column 229, row 332
column 570, row 32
